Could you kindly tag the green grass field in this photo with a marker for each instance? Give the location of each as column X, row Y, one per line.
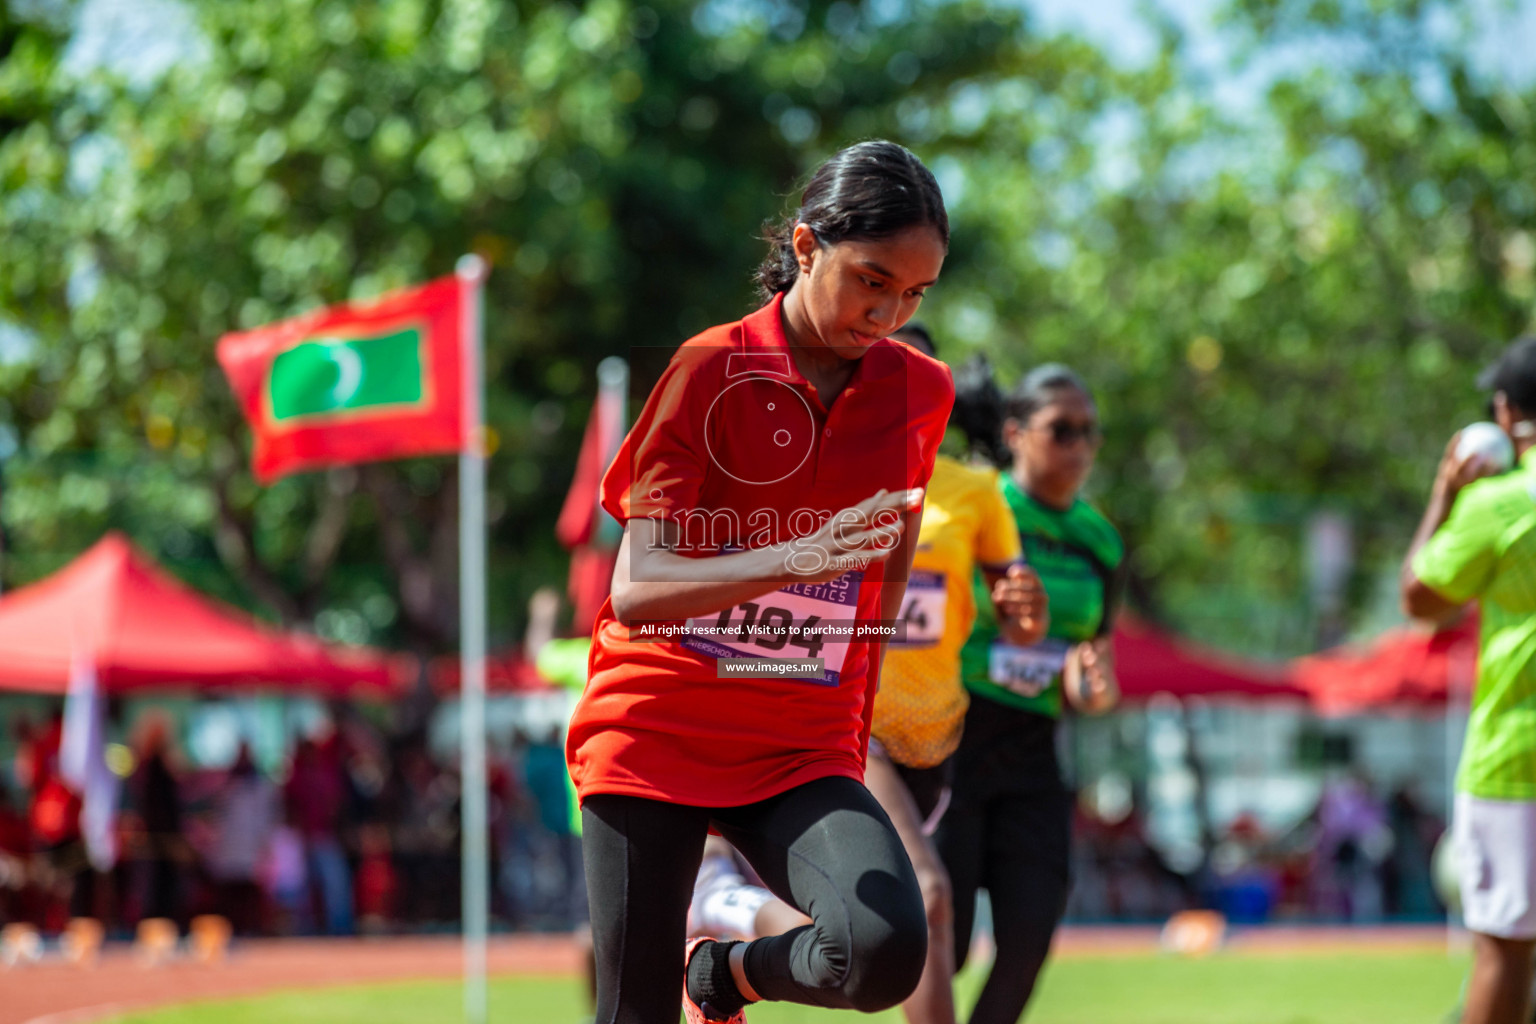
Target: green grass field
column 1230, row 988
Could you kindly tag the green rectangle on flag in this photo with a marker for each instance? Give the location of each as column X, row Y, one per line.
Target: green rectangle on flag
column 329, row 375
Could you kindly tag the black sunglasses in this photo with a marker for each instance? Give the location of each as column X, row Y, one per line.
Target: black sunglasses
column 1065, row 433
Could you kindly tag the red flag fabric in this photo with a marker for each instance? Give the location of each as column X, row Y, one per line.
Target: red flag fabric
column 584, row 528
column 582, row 515
column 588, row 583
column 578, row 516
column 352, row 383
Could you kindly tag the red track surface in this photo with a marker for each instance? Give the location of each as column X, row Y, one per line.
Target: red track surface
column 58, row 993
column 67, row 994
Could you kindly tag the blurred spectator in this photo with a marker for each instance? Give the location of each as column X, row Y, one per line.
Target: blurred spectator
column 243, row 817
column 377, row 881
column 53, row 824
column 24, row 736
column 1117, row 874
column 314, row 797
column 1353, row 842
column 1409, row 887
column 548, row 781
column 15, row 850
column 286, row 882
column 504, row 796
column 520, row 854
column 425, row 820
column 364, row 761
column 1247, row 882
column 155, row 796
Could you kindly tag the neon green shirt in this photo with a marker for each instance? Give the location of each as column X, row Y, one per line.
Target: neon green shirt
column 564, row 662
column 1486, row 550
column 1063, row 548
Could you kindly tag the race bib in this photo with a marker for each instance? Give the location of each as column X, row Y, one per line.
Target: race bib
column 923, row 608
column 802, row 620
column 1027, row 671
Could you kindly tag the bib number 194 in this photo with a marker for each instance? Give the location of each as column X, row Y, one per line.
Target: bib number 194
column 770, row 628
column 793, row 622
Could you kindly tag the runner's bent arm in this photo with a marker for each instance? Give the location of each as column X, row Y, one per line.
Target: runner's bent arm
column 1420, row 600
column 1089, row 679
column 1020, row 603
column 651, row 582
column 893, row 594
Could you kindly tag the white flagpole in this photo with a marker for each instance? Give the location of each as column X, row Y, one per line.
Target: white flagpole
column 471, row 271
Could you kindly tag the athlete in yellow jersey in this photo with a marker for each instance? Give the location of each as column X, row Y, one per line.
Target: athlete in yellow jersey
column 967, row 525
column 920, row 707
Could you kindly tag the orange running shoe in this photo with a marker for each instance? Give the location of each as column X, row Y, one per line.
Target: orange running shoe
column 693, row 1013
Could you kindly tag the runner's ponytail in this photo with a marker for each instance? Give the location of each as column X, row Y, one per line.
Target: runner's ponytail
column 978, row 411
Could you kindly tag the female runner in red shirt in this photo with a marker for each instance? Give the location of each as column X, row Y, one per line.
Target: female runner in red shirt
column 770, row 492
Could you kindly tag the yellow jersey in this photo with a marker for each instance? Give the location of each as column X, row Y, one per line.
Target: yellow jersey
column 967, row 524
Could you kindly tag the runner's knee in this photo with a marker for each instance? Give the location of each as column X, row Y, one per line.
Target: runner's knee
column 887, row 955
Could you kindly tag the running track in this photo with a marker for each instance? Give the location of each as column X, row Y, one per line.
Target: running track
column 58, row 993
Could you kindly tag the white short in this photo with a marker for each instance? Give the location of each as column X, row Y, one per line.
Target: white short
column 1496, row 861
column 724, row 905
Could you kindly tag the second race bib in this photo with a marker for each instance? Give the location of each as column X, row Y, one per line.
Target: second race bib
column 1027, row 671
column 923, row 608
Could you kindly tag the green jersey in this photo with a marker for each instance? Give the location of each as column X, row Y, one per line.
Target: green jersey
column 1074, row 552
column 1486, row 549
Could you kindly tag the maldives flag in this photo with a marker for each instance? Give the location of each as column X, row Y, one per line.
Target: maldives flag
column 353, row 383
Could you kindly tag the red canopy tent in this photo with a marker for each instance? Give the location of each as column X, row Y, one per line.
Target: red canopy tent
column 1149, row 661
column 145, row 629
column 1411, row 666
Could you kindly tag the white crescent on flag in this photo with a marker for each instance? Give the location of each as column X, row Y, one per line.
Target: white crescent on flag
column 349, row 371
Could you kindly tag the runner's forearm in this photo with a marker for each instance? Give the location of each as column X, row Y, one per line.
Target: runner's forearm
column 675, row 587
column 893, row 594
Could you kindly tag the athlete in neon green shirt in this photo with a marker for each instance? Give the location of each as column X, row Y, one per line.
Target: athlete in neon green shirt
column 1477, row 542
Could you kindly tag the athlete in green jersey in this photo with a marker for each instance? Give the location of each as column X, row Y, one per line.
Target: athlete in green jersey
column 1076, row 553
column 1477, row 542
column 1008, row 827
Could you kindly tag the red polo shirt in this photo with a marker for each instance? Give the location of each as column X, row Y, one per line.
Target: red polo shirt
column 736, row 448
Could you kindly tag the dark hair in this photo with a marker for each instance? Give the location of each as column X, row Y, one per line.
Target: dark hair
column 915, row 334
column 869, row 190
column 978, row 411
column 1035, row 391
column 1514, row 373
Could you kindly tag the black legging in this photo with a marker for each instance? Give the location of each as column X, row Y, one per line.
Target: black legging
column 1008, row 831
column 825, row 847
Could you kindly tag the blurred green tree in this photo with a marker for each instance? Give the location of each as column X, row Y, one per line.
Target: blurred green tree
column 613, row 160
column 1281, row 307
